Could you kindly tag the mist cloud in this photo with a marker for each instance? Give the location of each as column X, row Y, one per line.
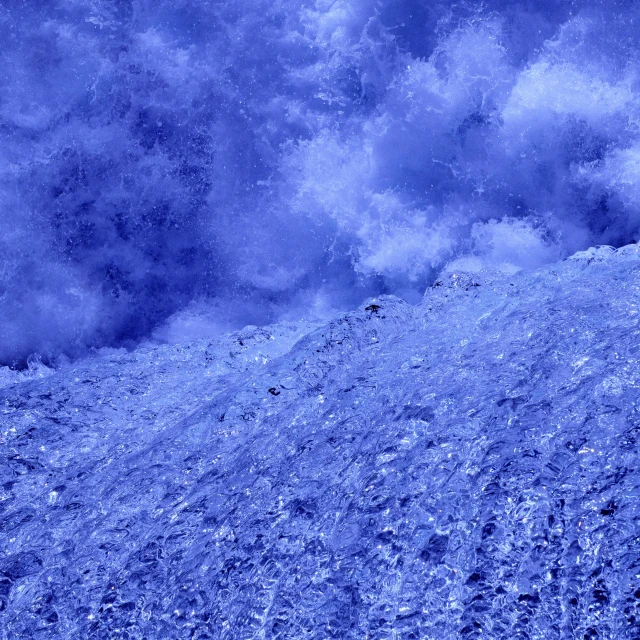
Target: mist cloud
column 245, row 162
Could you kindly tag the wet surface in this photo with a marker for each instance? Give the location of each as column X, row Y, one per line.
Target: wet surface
column 465, row 468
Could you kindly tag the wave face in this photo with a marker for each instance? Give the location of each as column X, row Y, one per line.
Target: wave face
column 462, row 469
column 180, row 167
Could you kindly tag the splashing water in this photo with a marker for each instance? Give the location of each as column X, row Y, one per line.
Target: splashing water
column 173, row 164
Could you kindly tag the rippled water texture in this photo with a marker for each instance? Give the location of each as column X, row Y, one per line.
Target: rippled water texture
column 464, row 468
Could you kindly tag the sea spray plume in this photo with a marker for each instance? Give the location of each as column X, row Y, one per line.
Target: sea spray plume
column 265, row 161
column 497, row 162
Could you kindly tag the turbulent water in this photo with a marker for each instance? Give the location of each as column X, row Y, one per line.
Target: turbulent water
column 464, row 468
column 177, row 168
column 458, row 464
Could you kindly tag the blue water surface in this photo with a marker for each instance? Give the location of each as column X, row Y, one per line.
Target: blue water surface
column 463, row 468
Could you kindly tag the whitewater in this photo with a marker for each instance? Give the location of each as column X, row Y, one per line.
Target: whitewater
column 178, row 169
column 319, row 319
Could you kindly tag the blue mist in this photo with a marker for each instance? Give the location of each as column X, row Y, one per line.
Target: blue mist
column 173, row 168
